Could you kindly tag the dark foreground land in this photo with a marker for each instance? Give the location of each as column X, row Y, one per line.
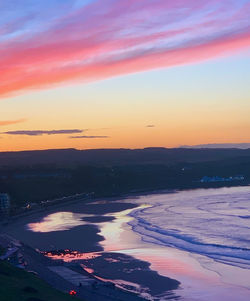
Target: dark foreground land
column 35, row 176
column 19, row 285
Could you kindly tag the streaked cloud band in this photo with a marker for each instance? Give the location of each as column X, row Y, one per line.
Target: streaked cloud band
column 79, row 42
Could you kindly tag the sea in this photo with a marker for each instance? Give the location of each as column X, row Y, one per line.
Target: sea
column 199, row 237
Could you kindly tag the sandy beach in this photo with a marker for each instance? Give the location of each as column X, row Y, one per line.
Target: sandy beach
column 44, row 231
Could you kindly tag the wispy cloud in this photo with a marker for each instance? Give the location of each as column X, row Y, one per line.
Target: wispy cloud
column 40, row 133
column 50, row 42
column 88, row 137
column 9, row 122
column 150, row 126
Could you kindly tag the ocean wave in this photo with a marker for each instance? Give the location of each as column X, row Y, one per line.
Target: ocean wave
column 214, row 223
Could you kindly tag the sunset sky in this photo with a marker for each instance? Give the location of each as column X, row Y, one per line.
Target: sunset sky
column 123, row 73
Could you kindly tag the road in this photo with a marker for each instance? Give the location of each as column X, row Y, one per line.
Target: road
column 64, row 279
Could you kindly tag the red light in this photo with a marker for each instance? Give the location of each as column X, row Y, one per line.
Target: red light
column 72, row 293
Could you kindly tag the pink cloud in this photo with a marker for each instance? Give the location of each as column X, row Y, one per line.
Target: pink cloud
column 120, row 37
column 9, row 122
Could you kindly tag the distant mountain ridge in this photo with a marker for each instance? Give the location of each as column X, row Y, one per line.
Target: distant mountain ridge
column 219, row 145
column 108, row 157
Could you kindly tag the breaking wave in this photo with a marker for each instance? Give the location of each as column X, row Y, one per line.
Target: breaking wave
column 212, row 222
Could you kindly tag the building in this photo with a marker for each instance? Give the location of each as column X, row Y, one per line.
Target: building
column 4, row 204
column 206, row 179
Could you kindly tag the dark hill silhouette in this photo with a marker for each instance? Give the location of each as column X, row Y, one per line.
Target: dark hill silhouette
column 34, row 176
column 166, row 156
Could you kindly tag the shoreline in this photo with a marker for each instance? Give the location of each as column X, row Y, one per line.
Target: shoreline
column 96, row 209
column 55, row 203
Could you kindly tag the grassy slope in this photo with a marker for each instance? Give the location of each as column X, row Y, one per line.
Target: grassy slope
column 13, row 281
